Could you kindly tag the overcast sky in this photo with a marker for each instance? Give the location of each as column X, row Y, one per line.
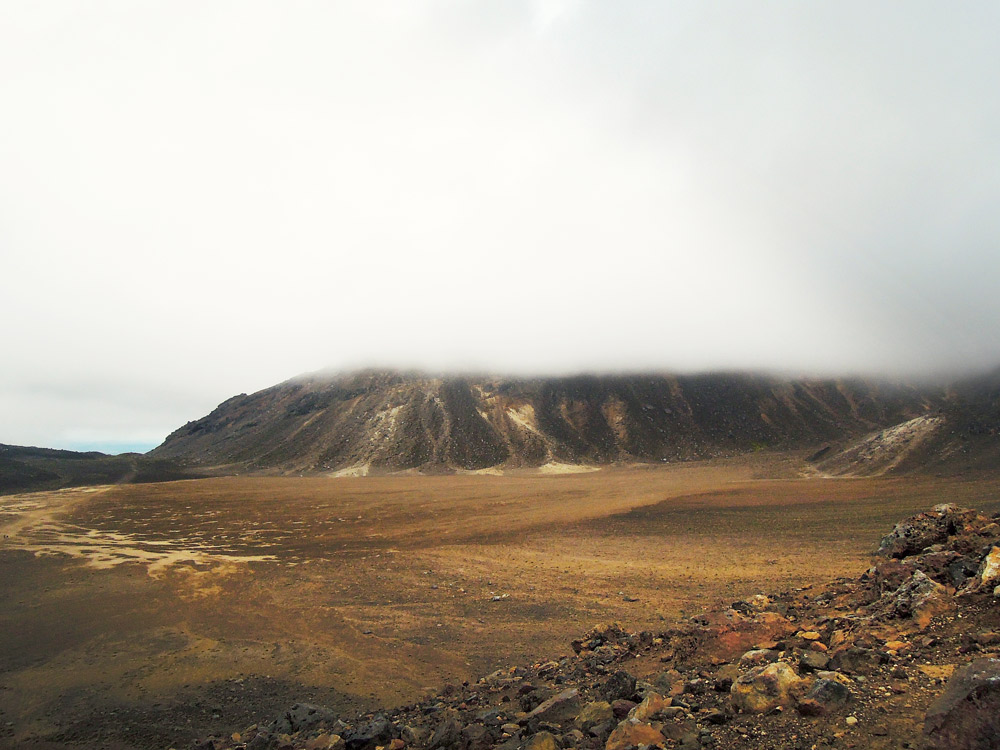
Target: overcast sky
column 199, row 199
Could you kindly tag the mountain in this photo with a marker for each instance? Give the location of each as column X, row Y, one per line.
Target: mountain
column 27, row 469
column 393, row 421
column 961, row 435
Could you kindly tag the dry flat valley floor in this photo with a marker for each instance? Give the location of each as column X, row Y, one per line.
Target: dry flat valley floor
column 146, row 615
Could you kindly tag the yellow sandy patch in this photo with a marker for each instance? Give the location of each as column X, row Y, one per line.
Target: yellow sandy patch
column 554, row 467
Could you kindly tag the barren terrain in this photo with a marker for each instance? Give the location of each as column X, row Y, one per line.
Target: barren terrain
column 146, row 615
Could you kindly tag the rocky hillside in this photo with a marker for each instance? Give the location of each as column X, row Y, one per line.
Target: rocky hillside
column 961, row 435
column 390, row 421
column 24, row 469
column 907, row 655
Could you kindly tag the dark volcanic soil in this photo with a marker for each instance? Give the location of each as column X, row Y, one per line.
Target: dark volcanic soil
column 146, row 616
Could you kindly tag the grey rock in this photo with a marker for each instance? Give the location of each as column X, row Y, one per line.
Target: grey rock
column 620, row 685
column 378, row 731
column 301, row 717
column 825, row 696
column 562, row 707
column 967, row 715
column 813, row 661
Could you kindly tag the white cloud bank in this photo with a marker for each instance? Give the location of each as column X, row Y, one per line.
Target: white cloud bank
column 198, row 199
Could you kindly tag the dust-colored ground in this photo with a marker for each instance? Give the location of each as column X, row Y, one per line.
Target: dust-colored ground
column 143, row 616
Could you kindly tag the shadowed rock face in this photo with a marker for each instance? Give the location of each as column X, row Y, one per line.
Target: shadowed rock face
column 967, row 715
column 392, row 421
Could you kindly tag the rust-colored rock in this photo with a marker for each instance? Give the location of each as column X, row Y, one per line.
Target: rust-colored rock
column 629, row 733
column 651, row 708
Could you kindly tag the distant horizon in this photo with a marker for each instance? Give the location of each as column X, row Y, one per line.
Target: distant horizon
column 109, row 448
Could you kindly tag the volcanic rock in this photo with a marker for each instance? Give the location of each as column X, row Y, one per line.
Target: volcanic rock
column 763, row 688
column 619, row 685
column 967, row 715
column 633, row 734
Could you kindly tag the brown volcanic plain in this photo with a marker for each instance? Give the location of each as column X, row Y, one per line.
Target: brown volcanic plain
column 144, row 616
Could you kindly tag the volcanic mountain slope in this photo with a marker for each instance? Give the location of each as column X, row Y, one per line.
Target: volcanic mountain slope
column 391, row 421
column 963, row 435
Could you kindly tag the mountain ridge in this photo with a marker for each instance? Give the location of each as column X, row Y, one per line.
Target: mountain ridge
column 385, row 420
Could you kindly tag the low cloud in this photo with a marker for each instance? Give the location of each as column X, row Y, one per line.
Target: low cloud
column 201, row 203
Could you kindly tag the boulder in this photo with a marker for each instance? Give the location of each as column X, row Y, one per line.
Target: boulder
column 541, row 741
column 302, row 717
column 651, row 708
column 593, row 714
column 988, row 575
column 372, row 733
column 919, row 599
column 633, row 734
column 725, row 677
column 948, row 567
column 560, row 708
column 924, row 530
column 448, row 735
column 474, row 737
column 813, row 661
column 622, row 707
column 967, row 715
column 764, row 688
column 913, row 535
column 619, row 685
column 889, row 575
column 856, row 660
column 824, row 697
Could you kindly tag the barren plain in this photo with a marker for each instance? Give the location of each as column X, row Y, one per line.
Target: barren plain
column 144, row 616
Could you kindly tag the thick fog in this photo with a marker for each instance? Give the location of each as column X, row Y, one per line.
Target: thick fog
column 199, row 199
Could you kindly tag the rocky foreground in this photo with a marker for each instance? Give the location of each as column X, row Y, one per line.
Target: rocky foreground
column 905, row 656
